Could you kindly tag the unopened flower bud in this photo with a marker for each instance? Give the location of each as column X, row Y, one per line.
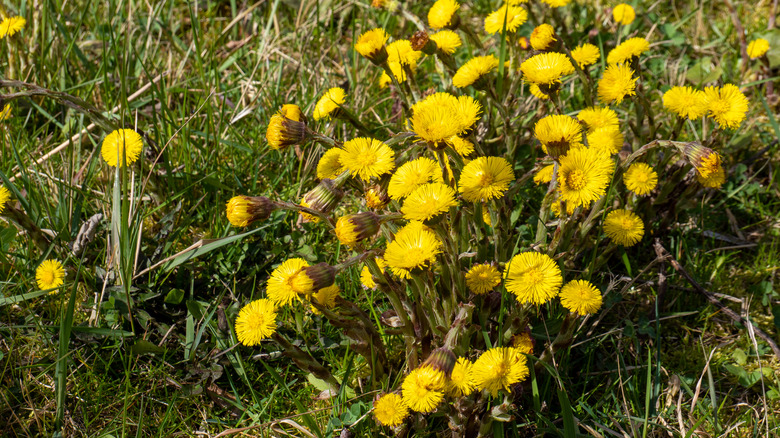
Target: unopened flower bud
column 321, row 275
column 356, row 227
column 372, row 45
column 441, row 359
column 243, row 210
column 286, row 128
column 324, row 198
column 543, row 37
column 377, row 198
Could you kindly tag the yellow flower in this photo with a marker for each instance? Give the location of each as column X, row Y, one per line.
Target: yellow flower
column 463, row 147
column 640, row 178
column 447, row 41
column 598, row 117
column 617, row 83
column 585, row 54
column 441, row 14
column 536, row 91
column 558, row 134
column 583, row 176
column 401, row 52
column 685, row 102
column 428, row 201
column 498, row 368
column 5, row 196
column 546, row 68
column 121, row 145
column 325, row 297
column 523, row 343
column 627, row 50
column 533, row 277
column 5, row 114
column 705, row 160
column 726, row 105
column 624, row 227
column 544, row 175
column 414, row 247
column 412, row 175
column 353, row 228
column 50, row 274
column 371, row 45
column 10, row 25
column 542, row 37
column 329, row 102
column 435, row 124
column 330, row 164
column 286, row 282
column 485, row 178
column 376, row 198
column 482, row 278
column 608, row 140
column 366, row 279
column 714, row 180
column 623, row 14
column 514, row 16
column 757, row 48
column 468, row 110
column 286, row 128
column 390, row 410
column 461, row 383
column 580, row 296
column 423, row 389
column 474, row 70
column 243, row 210
column 367, row 157
column 256, row 321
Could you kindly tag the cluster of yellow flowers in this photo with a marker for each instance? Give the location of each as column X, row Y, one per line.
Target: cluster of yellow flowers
column 423, row 206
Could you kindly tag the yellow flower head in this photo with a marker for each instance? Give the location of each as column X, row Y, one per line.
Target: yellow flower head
column 608, row 140
column 287, row 281
column 537, row 92
column 390, row 410
column 623, row 14
column 329, row 165
column 401, row 52
column 366, row 279
column 523, row 343
column 583, row 176
column 5, row 114
column 329, row 102
column 726, row 105
column 556, row 3
column 441, row 14
column 514, row 16
column 618, row 82
column 580, row 296
column 542, row 37
column 546, row 68
column 558, row 134
column 325, row 297
column 414, row 247
column 5, row 196
column 533, row 277
column 50, row 274
column 256, row 321
column 624, row 227
column 485, row 178
column 544, row 175
column 122, row 144
column 627, row 50
column 463, row 147
column 757, row 48
column 10, row 25
column 468, row 110
column 497, row 369
column 423, row 389
column 367, row 157
column 286, row 128
column 447, row 41
column 461, row 383
column 353, row 228
column 714, row 180
column 474, row 70
column 412, row 175
column 685, row 102
column 371, row 45
column 435, row 124
column 585, row 54
column 598, row 117
column 243, row 210
column 640, row 178
column 376, row 198
column 428, row 201
column 482, row 278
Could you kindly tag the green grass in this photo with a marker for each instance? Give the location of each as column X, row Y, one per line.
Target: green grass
column 157, row 356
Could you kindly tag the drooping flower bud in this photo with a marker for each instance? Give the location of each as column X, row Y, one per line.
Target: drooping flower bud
column 324, row 198
column 320, row 275
column 356, row 227
column 243, row 210
column 286, row 128
column 705, row 160
column 441, row 359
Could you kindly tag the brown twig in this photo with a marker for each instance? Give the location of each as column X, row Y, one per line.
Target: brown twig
column 661, row 251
